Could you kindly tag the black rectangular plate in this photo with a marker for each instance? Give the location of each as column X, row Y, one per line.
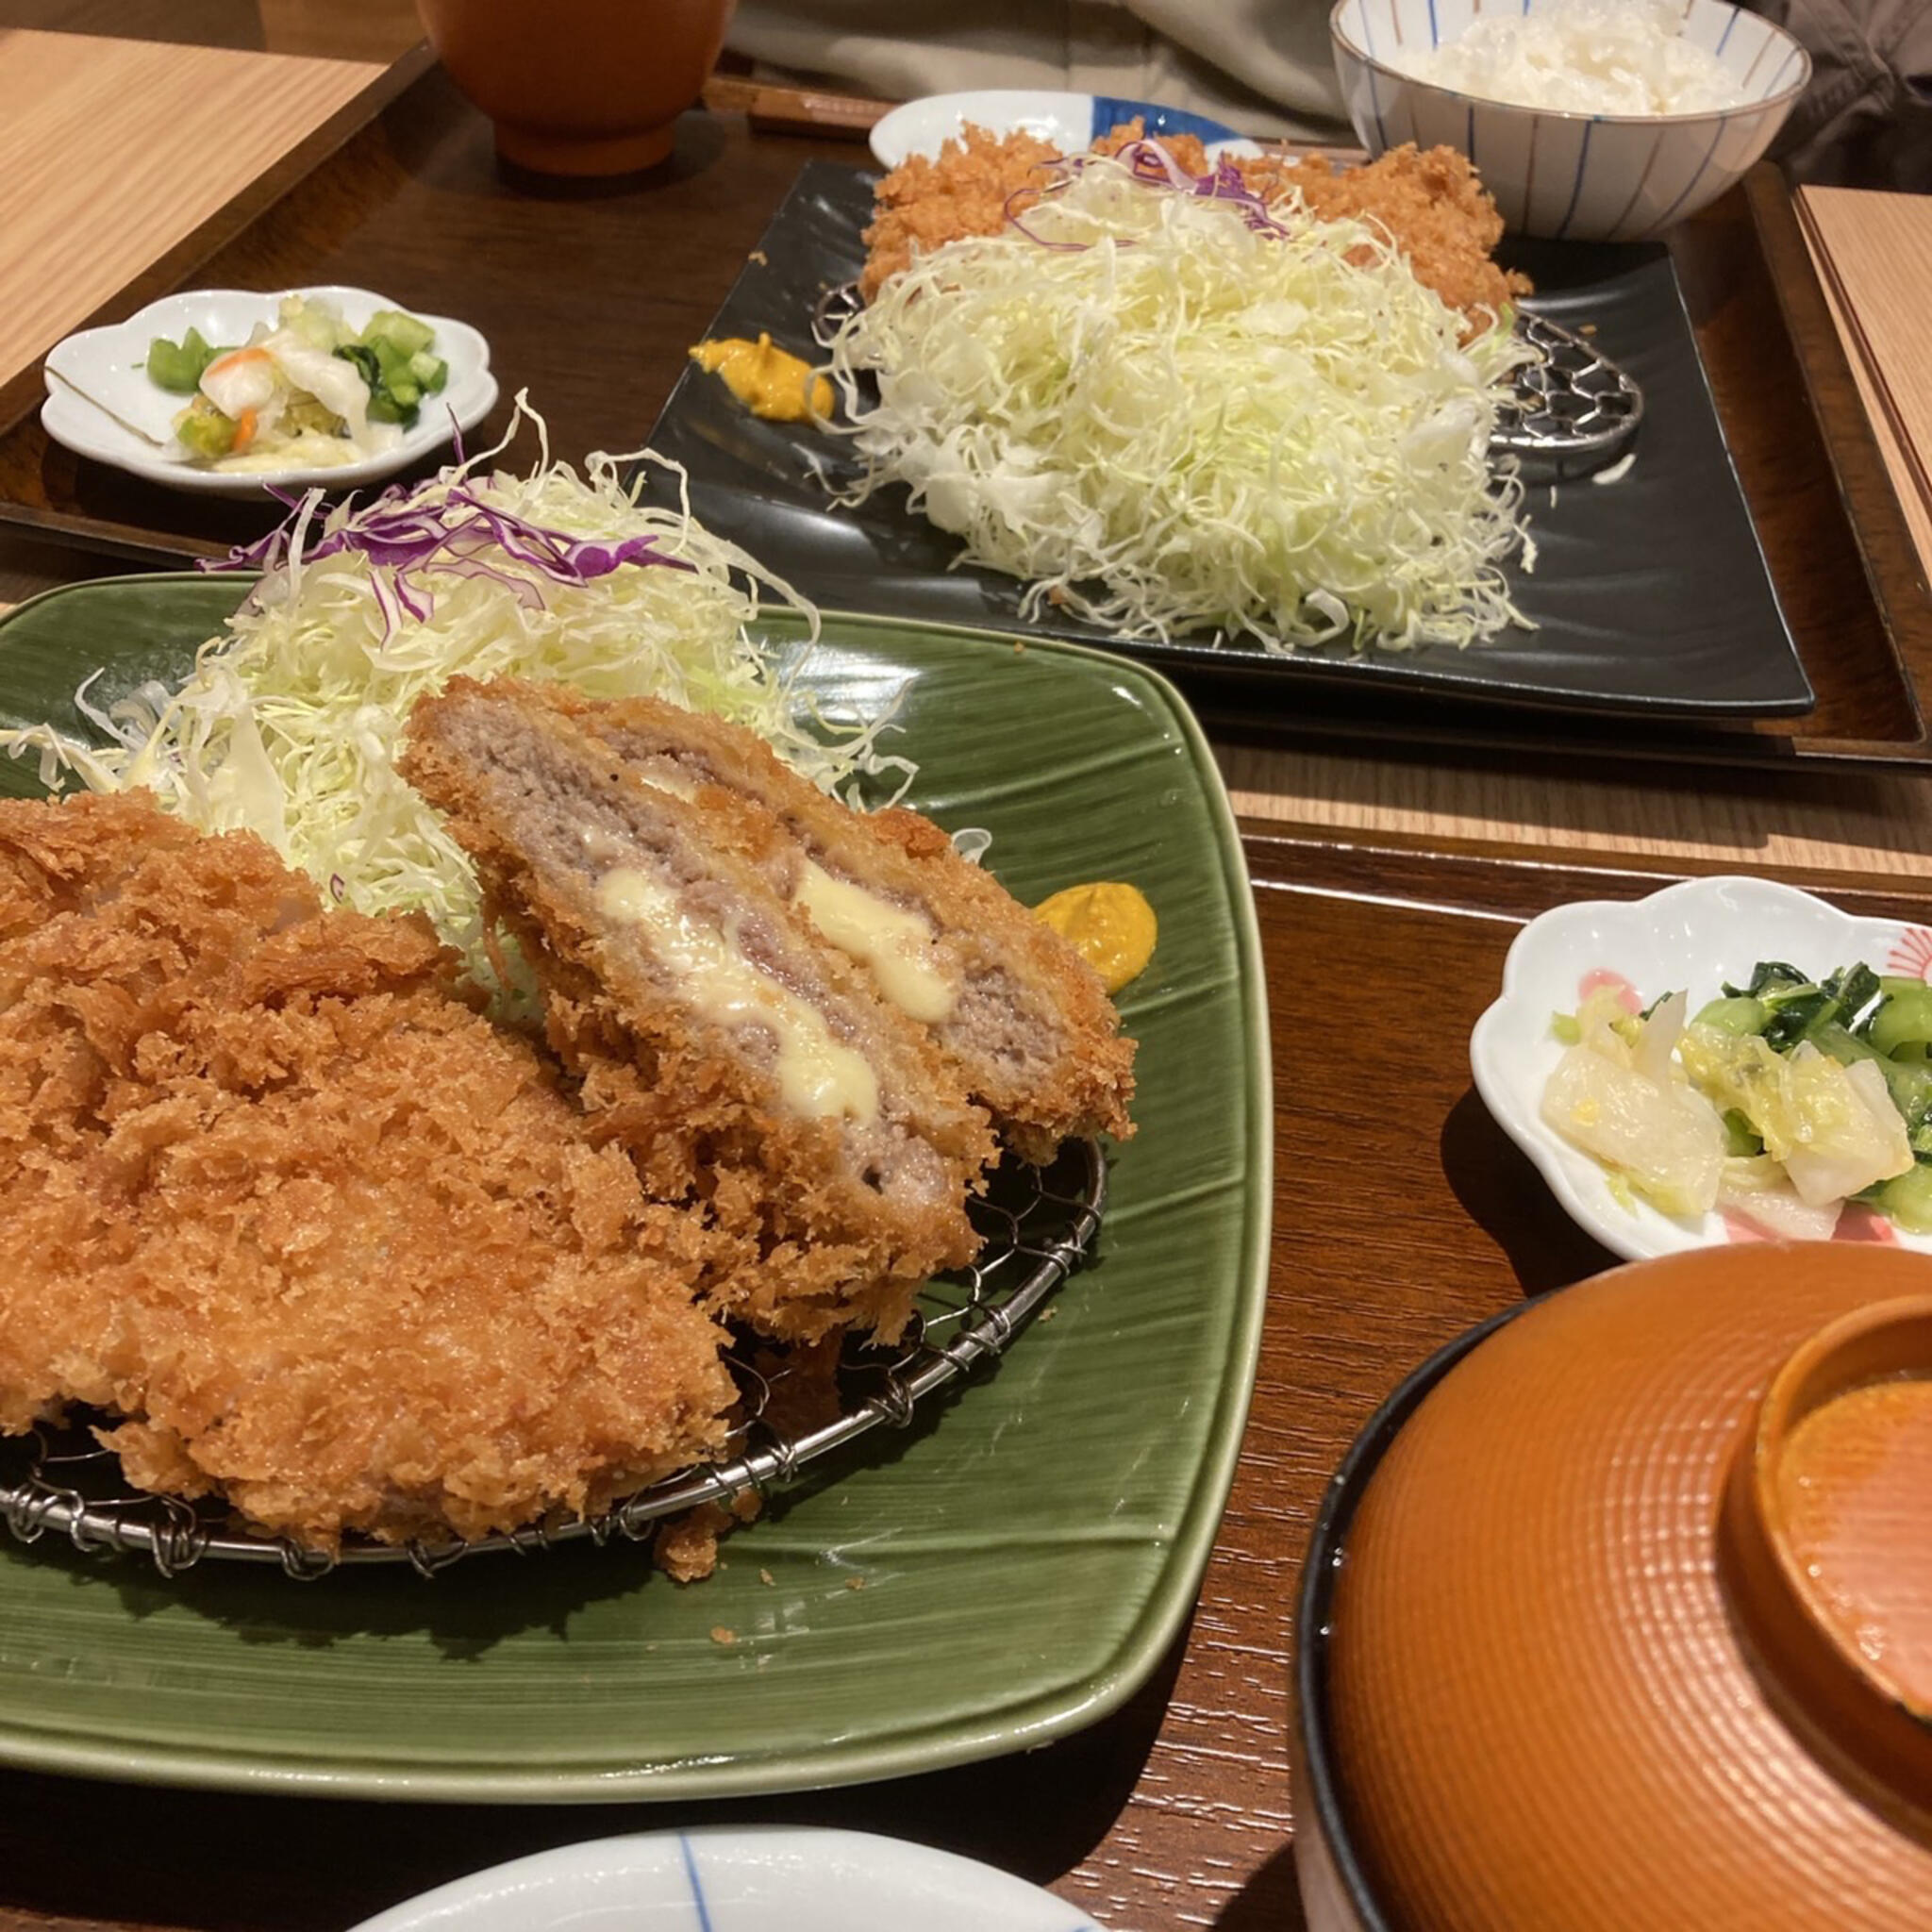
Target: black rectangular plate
column 1650, row 595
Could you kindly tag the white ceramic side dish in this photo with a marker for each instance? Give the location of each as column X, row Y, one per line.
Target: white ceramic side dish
column 1688, row 938
column 769, row 1878
column 1072, row 122
column 101, row 403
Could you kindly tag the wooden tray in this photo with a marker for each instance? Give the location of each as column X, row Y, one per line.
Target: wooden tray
column 590, row 299
column 1402, row 1217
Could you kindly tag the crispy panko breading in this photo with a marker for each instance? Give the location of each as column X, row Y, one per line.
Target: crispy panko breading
column 748, row 1067
column 327, row 1241
column 923, row 204
column 1022, row 1019
column 1431, row 203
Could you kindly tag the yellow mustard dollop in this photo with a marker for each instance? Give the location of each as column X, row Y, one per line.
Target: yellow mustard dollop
column 769, row 382
column 1111, row 926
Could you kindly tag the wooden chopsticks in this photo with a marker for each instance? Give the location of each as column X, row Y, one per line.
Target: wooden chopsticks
column 792, row 109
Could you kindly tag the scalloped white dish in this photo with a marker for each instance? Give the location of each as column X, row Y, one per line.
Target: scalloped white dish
column 755, row 1878
column 1690, row 937
column 1072, row 122
column 100, row 403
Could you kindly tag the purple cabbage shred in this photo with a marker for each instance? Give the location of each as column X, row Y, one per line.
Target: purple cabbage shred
column 1152, row 166
column 402, row 538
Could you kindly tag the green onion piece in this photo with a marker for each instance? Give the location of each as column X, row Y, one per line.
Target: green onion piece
column 1737, row 1014
column 1907, row 1199
column 177, row 367
column 404, row 334
column 204, row 431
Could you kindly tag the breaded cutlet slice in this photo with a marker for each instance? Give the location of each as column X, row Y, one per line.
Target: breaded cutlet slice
column 1023, row 1018
column 922, row 204
column 742, row 1061
column 317, row 1236
column 1431, row 202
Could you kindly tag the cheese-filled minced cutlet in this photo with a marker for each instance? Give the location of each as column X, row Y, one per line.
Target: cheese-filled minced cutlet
column 1023, row 1018
column 743, row 1062
column 310, row 1233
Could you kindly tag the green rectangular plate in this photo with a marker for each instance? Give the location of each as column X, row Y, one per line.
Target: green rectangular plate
column 1011, row 1568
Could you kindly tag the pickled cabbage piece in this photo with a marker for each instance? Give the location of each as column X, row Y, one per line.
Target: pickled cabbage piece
column 1666, row 1139
column 1833, row 1128
column 1756, row 1188
column 1822, row 1086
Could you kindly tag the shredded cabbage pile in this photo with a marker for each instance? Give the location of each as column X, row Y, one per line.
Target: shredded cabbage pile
column 289, row 723
column 1171, row 407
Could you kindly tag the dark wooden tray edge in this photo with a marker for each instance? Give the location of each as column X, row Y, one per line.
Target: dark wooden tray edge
column 1494, row 879
column 1894, row 568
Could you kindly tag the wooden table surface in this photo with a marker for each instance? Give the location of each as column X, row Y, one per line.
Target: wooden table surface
column 1177, row 1811
column 109, row 138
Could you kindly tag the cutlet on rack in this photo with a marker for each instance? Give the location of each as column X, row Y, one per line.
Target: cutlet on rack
column 747, row 1064
column 313, row 1233
column 1022, row 1020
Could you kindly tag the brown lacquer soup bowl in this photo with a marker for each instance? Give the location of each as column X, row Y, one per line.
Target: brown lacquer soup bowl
column 1619, row 1613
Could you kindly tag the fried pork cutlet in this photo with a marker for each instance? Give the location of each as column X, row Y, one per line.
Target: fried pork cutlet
column 744, row 1063
column 923, row 204
column 1022, row 1018
column 1431, row 203
column 328, row 1242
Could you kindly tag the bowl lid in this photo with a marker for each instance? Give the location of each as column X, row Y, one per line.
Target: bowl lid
column 1634, row 1621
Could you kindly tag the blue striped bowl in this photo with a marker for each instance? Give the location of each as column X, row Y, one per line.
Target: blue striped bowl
column 1576, row 178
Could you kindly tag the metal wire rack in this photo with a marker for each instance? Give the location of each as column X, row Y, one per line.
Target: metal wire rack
column 1038, row 1225
column 1572, row 407
column 835, row 307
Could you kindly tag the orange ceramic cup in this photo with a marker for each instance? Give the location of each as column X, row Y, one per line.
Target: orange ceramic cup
column 579, row 87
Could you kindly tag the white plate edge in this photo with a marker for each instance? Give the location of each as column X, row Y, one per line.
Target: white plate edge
column 449, row 1905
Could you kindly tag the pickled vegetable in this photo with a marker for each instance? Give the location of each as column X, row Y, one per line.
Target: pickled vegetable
column 177, row 367
column 306, row 391
column 1819, row 1090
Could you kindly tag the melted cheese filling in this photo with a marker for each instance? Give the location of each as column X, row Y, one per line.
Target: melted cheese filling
column 818, row 1076
column 894, row 943
column 662, row 776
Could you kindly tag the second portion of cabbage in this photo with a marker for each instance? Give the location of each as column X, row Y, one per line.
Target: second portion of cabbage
column 1169, row 415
